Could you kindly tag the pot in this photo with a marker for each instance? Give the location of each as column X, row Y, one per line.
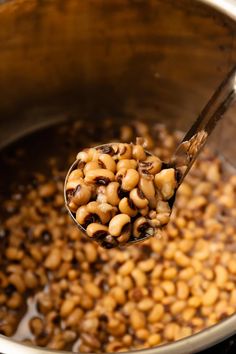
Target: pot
column 139, row 58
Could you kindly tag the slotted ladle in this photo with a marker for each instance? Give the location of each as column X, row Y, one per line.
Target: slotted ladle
column 192, row 143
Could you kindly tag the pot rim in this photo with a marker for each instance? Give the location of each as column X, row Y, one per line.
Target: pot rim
column 188, row 345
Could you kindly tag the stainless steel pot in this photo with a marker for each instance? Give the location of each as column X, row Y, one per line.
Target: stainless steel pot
column 94, row 58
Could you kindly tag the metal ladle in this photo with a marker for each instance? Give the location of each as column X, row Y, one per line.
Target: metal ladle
column 193, row 142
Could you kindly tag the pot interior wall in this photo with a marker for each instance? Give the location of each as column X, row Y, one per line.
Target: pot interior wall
column 150, row 59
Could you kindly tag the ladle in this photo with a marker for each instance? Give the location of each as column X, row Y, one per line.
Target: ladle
column 192, row 143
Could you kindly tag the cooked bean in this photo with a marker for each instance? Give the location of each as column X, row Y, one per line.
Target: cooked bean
column 138, row 320
column 147, row 187
column 124, row 151
column 75, row 175
column 81, row 194
column 151, row 165
column 126, row 164
column 165, row 181
column 126, row 207
column 91, row 165
column 117, row 223
column 99, row 176
column 67, row 307
column 130, row 179
column 211, row 295
column 138, row 198
column 156, row 313
column 108, row 162
column 142, row 227
column 104, row 211
column 139, row 153
column 112, row 193
column 96, row 230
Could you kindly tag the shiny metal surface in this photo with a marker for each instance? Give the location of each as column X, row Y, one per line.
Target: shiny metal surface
column 140, row 58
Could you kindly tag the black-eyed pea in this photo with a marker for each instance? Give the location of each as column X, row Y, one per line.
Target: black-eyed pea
column 15, row 301
column 142, row 227
column 92, row 290
column 152, row 214
column 83, row 156
column 109, row 303
column 104, row 211
column 130, row 179
column 124, row 151
column 118, row 223
column 126, row 164
column 31, row 280
column 210, row 296
column 91, row 165
column 146, row 185
column 165, row 181
column 139, row 277
column 142, row 334
column 17, row 280
column 97, row 230
column 181, row 259
column 188, row 313
column 112, row 193
column 107, row 149
column 138, row 198
column 151, row 165
column 182, row 290
column 36, row 326
column 99, row 176
column 146, row 265
column 139, row 153
column 171, row 331
column 157, row 271
column 93, row 154
column 168, row 300
column 186, row 273
column 146, row 304
column 72, row 206
column 221, row 275
column 126, row 206
column 81, row 194
column 154, row 339
column 177, row 307
column 75, row 175
column 71, row 185
column 144, row 211
column 162, row 207
column 156, row 313
column 119, row 295
column 137, row 320
column 108, row 162
column 83, row 216
column 170, row 273
column 197, row 321
column 125, row 282
column 67, row 307
column 126, row 268
column 162, row 219
column 101, row 195
column 158, row 294
column 184, row 332
column 194, row 301
column 169, row 287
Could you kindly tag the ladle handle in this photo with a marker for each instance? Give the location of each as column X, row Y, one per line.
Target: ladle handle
column 196, row 137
